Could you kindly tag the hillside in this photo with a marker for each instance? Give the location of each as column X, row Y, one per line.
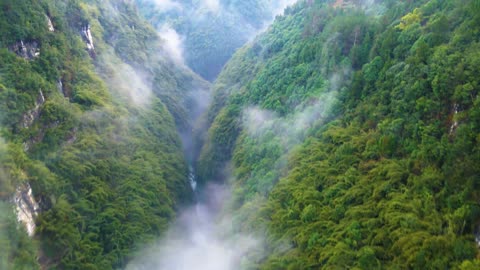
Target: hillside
column 344, row 136
column 91, row 108
column 208, row 32
column 349, row 132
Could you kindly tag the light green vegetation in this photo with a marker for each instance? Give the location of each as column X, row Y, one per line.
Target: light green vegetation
column 386, row 176
column 101, row 152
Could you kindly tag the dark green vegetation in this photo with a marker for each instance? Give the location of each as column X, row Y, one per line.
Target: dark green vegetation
column 368, row 156
column 353, row 133
column 16, row 249
column 100, row 151
column 212, row 33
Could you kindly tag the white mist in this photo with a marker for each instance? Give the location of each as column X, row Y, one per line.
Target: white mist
column 200, row 239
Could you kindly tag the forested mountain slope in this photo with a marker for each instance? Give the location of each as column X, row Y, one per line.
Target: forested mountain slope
column 353, row 135
column 90, row 109
column 210, row 31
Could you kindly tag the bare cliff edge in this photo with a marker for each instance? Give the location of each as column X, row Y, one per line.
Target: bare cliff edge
column 91, row 112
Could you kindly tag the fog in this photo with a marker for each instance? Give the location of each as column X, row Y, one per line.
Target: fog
column 126, row 83
column 283, row 133
column 205, row 33
column 279, row 6
column 201, row 239
column 293, row 128
column 166, row 5
column 203, row 236
column 211, row 5
column 197, row 102
column 173, row 43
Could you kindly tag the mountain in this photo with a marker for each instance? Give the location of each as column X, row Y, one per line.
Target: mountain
column 208, row 32
column 91, row 112
column 349, row 133
column 344, row 136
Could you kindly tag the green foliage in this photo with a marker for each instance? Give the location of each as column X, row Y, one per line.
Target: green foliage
column 17, row 251
column 411, row 18
column 211, row 36
column 108, row 174
column 21, row 21
column 389, row 182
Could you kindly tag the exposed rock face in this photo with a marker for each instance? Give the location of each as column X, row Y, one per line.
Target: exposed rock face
column 26, row 207
column 32, row 115
column 454, row 124
column 27, row 50
column 191, row 178
column 87, row 37
column 60, row 87
column 50, row 24
column 29, row 118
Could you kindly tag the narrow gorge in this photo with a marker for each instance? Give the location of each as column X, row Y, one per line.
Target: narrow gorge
column 238, row 135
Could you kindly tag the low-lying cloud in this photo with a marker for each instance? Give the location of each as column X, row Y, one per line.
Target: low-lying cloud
column 6, row 185
column 166, row 5
column 201, row 239
column 197, row 102
column 173, row 43
column 282, row 133
column 211, row 5
column 279, row 6
column 291, row 129
column 125, row 82
column 169, row 5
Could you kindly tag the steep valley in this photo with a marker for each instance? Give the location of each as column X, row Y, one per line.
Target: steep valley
column 345, row 135
column 91, row 112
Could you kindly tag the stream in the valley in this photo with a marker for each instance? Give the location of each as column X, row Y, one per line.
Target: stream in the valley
column 200, row 239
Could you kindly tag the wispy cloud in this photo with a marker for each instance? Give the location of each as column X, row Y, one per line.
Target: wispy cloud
column 279, row 6
column 200, row 240
column 211, row 5
column 169, row 5
column 275, row 8
column 173, row 43
column 282, row 133
column 290, row 129
column 125, row 82
column 166, row 5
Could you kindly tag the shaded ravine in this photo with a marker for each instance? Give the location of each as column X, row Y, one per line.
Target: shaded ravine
column 201, row 237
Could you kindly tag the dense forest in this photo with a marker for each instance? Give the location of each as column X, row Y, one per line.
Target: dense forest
column 353, row 133
column 90, row 106
column 348, row 132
